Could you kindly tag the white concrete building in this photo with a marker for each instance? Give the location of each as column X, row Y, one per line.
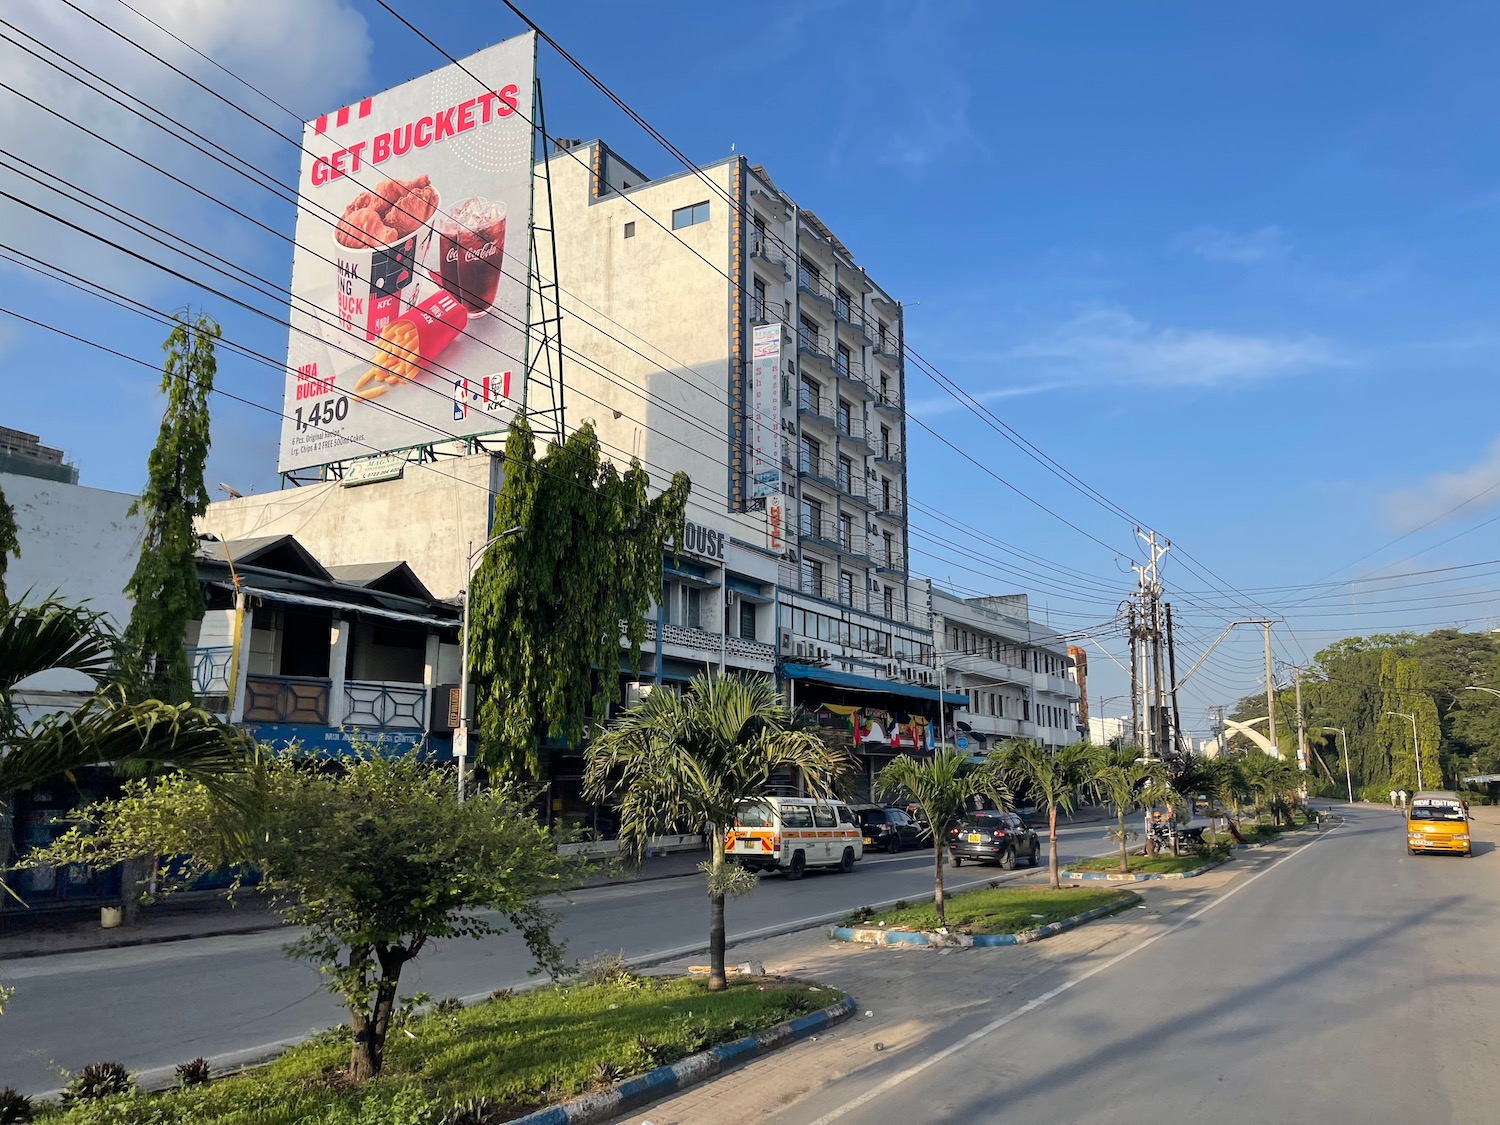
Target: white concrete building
column 1016, row 675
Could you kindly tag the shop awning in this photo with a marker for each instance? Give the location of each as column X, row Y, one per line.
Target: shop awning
column 851, row 682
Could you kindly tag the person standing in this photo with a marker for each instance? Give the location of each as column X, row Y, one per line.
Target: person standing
column 1393, row 798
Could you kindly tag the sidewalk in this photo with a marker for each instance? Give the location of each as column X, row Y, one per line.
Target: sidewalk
column 210, row 915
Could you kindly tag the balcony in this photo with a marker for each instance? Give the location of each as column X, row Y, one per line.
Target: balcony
column 814, row 285
column 815, row 408
column 287, row 699
column 766, row 250
column 886, row 345
column 852, row 431
column 893, row 562
column 210, row 669
column 889, row 453
column 850, row 315
column 853, row 374
column 887, row 400
column 893, row 509
column 814, row 345
column 382, row 705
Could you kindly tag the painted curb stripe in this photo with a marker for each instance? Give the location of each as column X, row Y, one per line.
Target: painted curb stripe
column 979, row 941
column 654, row 1084
column 1115, row 877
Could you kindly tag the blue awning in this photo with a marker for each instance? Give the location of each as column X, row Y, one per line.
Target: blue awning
column 852, row 682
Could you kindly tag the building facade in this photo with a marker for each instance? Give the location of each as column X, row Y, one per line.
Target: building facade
column 1016, row 676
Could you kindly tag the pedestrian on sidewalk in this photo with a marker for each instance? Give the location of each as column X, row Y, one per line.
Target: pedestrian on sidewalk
column 1393, row 798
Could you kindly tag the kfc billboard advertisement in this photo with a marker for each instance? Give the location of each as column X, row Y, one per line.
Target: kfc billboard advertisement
column 409, row 293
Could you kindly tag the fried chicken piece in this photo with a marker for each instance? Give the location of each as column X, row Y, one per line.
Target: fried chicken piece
column 365, row 229
column 410, row 212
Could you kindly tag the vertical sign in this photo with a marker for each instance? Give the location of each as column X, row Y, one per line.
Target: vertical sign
column 765, row 410
column 775, row 522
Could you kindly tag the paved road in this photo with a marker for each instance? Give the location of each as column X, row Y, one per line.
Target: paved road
column 1345, row 983
column 155, row 1006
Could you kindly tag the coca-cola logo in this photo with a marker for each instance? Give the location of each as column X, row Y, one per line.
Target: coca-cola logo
column 485, row 251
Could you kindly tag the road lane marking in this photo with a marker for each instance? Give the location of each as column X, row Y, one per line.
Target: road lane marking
column 1032, row 1005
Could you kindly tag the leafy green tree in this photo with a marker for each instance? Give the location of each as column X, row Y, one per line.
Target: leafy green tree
column 374, row 857
column 1274, row 783
column 694, row 758
column 1404, row 693
column 10, row 541
column 944, row 786
column 1052, row 779
column 1121, row 780
column 164, row 588
column 547, row 605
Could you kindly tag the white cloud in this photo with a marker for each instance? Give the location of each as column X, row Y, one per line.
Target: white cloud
column 1110, row 345
column 1215, row 245
column 1469, row 490
column 947, row 404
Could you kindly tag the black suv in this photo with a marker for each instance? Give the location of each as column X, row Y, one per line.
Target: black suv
column 993, row 837
column 890, row 829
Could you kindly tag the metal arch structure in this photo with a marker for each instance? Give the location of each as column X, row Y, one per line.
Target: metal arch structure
column 1245, row 726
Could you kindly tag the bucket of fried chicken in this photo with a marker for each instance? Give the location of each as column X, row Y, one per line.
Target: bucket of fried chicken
column 379, row 241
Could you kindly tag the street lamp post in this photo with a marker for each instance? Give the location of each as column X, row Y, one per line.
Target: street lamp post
column 1348, row 778
column 1415, row 745
column 461, row 732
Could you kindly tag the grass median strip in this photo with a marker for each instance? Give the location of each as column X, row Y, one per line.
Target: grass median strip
column 992, row 910
column 516, row 1052
column 1143, row 865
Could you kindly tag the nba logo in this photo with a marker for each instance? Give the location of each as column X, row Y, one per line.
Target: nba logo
column 460, row 399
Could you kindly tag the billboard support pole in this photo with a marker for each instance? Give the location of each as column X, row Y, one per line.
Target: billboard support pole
column 542, row 390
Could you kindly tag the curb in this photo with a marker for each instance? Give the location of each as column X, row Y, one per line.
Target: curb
column 876, row 936
column 664, row 1080
column 1116, row 877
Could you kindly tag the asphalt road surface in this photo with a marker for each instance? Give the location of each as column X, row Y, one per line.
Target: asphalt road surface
column 1344, row 983
column 231, row 998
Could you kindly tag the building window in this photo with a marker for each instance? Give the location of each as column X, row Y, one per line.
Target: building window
column 880, row 332
column 812, row 580
column 692, row 607
column 885, row 442
column 885, row 494
column 810, row 335
column 690, row 216
column 812, row 518
column 846, row 587
column 747, row 620
column 890, row 556
column 812, row 395
column 846, row 533
column 812, row 455
column 890, row 602
column 758, row 301
column 757, row 235
column 841, row 303
column 630, row 230
column 842, row 360
column 846, row 473
column 845, row 410
column 809, row 276
column 885, row 389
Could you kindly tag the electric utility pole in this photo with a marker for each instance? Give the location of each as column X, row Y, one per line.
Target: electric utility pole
column 1135, row 674
column 1172, row 674
column 1150, row 595
column 1270, row 693
column 1301, row 726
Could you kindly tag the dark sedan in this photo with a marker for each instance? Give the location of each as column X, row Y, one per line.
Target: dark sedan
column 993, row 837
column 890, row 829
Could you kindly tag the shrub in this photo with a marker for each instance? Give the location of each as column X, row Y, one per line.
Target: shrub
column 15, row 1107
column 650, row 1053
column 475, row 1111
column 606, row 1073
column 194, row 1073
column 795, row 1004
column 448, row 1005
column 98, row 1080
column 605, row 968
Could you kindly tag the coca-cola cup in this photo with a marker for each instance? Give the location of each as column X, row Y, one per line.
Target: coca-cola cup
column 471, row 252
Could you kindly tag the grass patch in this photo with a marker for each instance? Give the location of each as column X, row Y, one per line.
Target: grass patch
column 995, row 910
column 520, row 1053
column 1143, row 865
column 1265, row 831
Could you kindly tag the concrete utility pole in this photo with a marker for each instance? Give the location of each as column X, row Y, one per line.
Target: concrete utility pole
column 1135, row 676
column 1301, row 726
column 1150, row 593
column 1270, row 693
column 1172, row 674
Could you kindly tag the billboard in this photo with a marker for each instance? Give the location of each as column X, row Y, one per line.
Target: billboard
column 409, row 275
column 765, row 409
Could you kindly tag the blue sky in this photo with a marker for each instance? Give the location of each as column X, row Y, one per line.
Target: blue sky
column 1232, row 265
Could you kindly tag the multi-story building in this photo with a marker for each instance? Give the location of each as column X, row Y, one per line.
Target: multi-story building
column 1016, row 676
column 726, row 332
column 24, row 455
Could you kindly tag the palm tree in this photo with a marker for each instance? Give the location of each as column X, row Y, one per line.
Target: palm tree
column 943, row 785
column 1051, row 779
column 1120, row 779
column 108, row 729
column 1271, row 780
column 696, row 757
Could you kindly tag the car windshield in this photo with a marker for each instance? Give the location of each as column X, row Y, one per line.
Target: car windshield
column 872, row 816
column 1437, row 812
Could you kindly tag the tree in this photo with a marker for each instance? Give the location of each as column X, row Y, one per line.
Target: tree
column 164, row 588
column 108, row 729
column 546, row 606
column 1052, row 779
column 1273, row 782
column 10, row 541
column 374, row 857
column 943, row 785
column 694, row 758
column 1121, row 781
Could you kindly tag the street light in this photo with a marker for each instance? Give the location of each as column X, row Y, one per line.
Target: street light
column 1491, row 690
column 1415, row 748
column 461, row 732
column 1348, row 780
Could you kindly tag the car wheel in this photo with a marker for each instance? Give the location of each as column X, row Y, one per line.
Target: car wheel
column 1036, row 854
column 846, row 864
column 799, row 864
column 1411, row 851
column 958, row 861
column 894, row 844
column 1008, row 859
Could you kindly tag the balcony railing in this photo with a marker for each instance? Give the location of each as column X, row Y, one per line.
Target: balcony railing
column 886, row 400
column 889, row 452
column 766, row 250
column 819, row 405
column 383, row 705
column 210, row 669
column 848, row 478
column 893, row 562
column 814, row 285
column 814, row 344
column 287, row 699
column 891, row 509
column 849, row 538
